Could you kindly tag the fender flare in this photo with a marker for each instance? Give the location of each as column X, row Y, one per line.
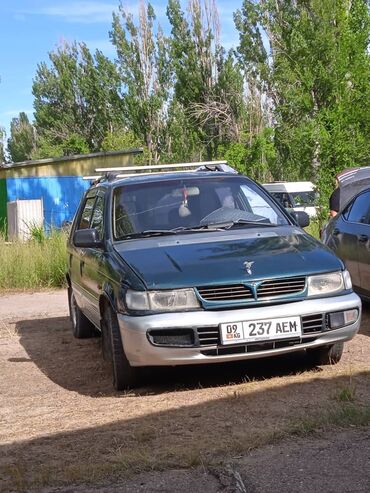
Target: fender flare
column 109, row 296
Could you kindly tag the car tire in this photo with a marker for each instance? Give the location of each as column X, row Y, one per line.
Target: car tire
column 125, row 376
column 329, row 355
column 82, row 328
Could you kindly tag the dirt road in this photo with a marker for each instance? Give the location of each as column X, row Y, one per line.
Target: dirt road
column 253, row 427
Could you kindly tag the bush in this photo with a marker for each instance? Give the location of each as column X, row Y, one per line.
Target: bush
column 35, row 263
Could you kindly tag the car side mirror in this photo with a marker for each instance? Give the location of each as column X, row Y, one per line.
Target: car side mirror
column 301, row 218
column 87, row 238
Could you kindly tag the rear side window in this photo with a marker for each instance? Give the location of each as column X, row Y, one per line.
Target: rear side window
column 283, row 198
column 85, row 218
column 359, row 212
column 304, row 198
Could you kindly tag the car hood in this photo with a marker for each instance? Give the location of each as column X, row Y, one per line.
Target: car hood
column 201, row 259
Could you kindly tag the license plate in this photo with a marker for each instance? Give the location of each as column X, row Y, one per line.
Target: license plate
column 261, row 330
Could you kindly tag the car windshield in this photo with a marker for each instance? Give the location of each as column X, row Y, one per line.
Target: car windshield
column 186, row 204
column 304, row 198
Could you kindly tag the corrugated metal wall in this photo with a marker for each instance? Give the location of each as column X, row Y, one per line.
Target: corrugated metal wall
column 23, row 216
column 83, row 165
column 3, row 201
column 60, row 194
column 57, row 181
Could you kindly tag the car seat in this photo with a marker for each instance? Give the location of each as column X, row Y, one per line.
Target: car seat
column 209, row 202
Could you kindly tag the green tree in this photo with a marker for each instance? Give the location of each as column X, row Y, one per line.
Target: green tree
column 183, row 142
column 22, row 141
column 100, row 86
column 208, row 83
column 145, row 71
column 125, row 139
column 2, row 153
column 315, row 78
column 77, row 100
column 2, row 138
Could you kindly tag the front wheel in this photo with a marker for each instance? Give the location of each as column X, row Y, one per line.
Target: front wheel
column 125, row 376
column 82, row 328
column 328, row 355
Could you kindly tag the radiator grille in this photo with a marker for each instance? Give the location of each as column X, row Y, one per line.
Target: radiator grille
column 240, row 292
column 225, row 293
column 251, row 347
column 281, row 287
column 210, row 336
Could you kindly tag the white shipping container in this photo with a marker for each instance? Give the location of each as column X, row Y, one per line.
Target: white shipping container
column 23, row 215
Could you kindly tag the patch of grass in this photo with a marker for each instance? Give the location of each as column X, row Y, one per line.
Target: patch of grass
column 346, row 394
column 37, row 263
column 343, row 416
column 17, row 474
column 313, row 228
column 145, row 435
column 38, row 234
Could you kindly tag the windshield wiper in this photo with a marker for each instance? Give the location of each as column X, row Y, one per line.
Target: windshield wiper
column 200, row 227
column 188, row 229
column 219, row 226
column 231, row 224
column 147, row 233
column 164, row 232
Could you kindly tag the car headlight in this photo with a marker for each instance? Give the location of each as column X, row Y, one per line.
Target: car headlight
column 166, row 300
column 328, row 283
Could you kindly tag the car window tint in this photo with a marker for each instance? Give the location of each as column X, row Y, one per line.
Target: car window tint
column 97, row 217
column 304, row 198
column 225, row 196
column 86, row 214
column 283, row 198
column 259, row 206
column 360, row 209
column 189, row 202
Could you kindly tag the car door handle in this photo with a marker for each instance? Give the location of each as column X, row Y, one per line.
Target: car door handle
column 336, row 231
column 363, row 238
column 82, row 264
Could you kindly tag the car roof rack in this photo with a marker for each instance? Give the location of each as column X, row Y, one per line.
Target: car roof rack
column 109, row 174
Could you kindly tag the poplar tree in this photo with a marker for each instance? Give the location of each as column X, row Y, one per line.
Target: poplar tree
column 76, row 101
column 145, row 71
column 22, row 141
column 2, row 154
column 310, row 59
column 208, row 83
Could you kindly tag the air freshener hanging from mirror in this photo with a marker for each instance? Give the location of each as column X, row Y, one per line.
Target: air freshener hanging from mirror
column 184, row 210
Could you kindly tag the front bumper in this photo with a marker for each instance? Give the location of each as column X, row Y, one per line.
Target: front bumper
column 141, row 352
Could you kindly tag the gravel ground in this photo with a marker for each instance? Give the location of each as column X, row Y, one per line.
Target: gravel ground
column 336, row 463
column 209, row 429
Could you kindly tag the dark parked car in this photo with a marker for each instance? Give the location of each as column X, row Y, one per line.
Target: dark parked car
column 348, row 235
column 201, row 267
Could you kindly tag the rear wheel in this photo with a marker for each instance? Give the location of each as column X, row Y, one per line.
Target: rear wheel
column 82, row 328
column 328, row 355
column 125, row 376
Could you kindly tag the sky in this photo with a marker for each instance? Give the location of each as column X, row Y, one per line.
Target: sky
column 30, row 29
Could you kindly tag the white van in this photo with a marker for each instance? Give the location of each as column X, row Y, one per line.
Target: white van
column 296, row 195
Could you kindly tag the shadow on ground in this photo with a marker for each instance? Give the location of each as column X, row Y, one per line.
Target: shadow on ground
column 159, row 427
column 77, row 364
column 206, row 434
